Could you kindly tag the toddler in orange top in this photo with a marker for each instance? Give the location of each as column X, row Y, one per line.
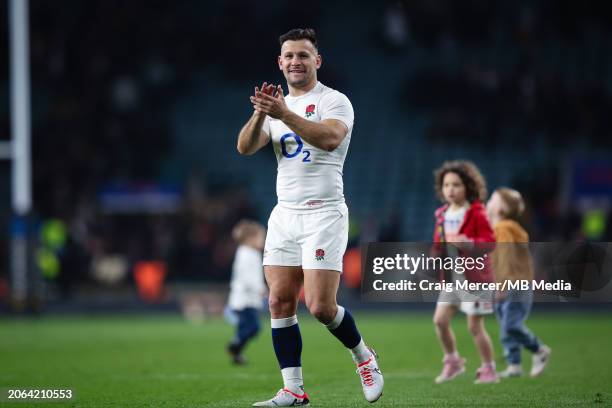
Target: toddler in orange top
column 512, row 261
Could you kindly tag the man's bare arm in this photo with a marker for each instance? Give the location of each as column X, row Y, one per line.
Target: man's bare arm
column 326, row 135
column 251, row 137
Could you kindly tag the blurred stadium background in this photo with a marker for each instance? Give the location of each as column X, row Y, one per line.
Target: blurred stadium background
column 135, row 108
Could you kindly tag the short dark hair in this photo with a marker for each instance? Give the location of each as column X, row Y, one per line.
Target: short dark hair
column 474, row 182
column 299, row 34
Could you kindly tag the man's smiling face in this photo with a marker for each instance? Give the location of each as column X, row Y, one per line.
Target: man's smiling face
column 299, row 62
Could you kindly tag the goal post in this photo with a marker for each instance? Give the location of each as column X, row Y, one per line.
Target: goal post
column 18, row 150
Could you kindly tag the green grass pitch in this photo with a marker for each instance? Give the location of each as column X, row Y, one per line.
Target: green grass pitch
column 168, row 362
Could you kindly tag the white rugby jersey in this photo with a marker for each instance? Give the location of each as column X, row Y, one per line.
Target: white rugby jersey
column 308, row 178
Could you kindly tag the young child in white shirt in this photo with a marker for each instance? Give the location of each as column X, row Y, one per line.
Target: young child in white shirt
column 247, row 287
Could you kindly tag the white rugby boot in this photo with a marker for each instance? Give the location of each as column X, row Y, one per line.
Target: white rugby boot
column 372, row 380
column 285, row 398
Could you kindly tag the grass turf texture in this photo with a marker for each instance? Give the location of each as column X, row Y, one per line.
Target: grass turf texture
column 167, row 362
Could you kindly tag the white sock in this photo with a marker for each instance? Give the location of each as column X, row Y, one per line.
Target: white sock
column 454, row 354
column 283, row 322
column 490, row 364
column 337, row 319
column 360, row 353
column 292, row 378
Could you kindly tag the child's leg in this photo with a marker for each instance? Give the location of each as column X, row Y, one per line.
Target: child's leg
column 454, row 365
column 248, row 327
column 541, row 352
column 442, row 318
column 517, row 313
column 481, row 338
column 512, row 348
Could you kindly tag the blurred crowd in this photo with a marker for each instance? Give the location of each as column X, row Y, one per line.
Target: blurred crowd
column 105, row 76
column 530, row 66
column 513, row 74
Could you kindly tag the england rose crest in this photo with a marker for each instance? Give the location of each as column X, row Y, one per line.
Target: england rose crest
column 319, row 253
column 310, row 109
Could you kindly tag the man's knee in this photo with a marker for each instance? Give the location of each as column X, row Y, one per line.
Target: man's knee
column 323, row 312
column 281, row 305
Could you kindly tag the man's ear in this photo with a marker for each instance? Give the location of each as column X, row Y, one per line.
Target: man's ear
column 280, row 64
column 319, row 61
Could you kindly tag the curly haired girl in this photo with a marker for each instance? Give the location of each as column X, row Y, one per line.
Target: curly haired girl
column 461, row 223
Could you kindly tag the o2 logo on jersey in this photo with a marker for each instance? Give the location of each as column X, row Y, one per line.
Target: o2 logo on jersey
column 299, row 147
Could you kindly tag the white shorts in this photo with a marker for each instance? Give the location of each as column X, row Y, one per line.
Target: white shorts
column 483, row 305
column 312, row 241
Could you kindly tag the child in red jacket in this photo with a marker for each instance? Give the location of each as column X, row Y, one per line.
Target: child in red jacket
column 462, row 223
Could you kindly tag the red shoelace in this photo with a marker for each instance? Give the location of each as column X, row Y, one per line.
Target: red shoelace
column 366, row 373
